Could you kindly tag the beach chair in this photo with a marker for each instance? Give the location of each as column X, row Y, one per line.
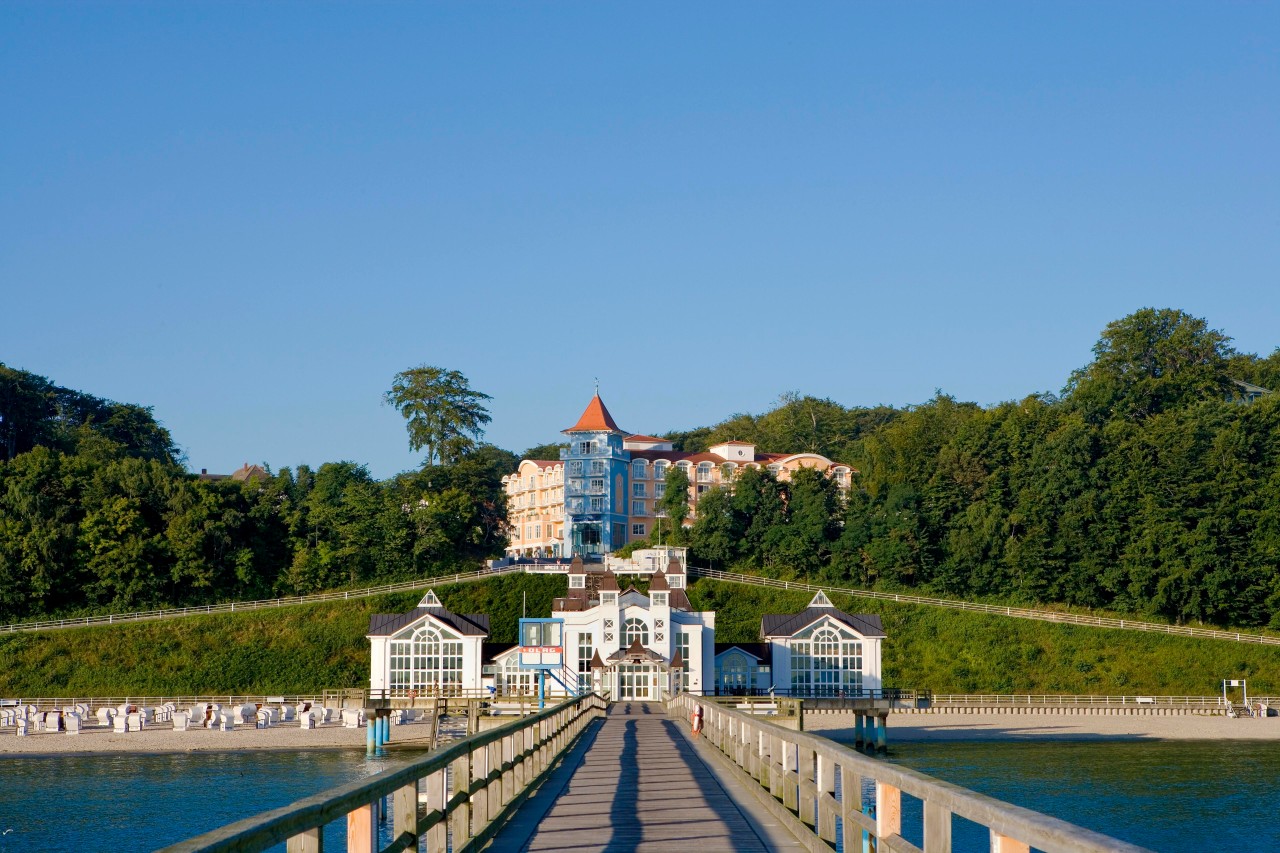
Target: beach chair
column 72, row 723
column 181, row 721
column 120, row 723
column 306, row 720
column 21, row 726
column 350, row 719
column 53, row 721
column 263, row 718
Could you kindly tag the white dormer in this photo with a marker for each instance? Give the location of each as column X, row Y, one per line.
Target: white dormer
column 430, row 600
column 608, row 597
column 821, row 600
column 735, row 451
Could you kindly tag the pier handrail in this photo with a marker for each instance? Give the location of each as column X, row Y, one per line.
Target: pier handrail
column 472, row 787
column 795, row 775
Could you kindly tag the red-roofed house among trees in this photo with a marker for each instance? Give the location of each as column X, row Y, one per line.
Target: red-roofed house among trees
column 603, row 490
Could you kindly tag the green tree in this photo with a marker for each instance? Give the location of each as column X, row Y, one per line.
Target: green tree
column 445, row 416
column 1151, row 361
column 674, row 503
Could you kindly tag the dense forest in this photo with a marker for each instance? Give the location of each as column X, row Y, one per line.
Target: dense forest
column 1148, row 485
column 97, row 513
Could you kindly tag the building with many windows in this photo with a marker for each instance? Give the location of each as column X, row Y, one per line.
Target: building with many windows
column 603, row 491
column 631, row 646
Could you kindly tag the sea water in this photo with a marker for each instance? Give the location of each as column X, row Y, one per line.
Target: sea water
column 117, row 802
column 1168, row 796
column 1163, row 795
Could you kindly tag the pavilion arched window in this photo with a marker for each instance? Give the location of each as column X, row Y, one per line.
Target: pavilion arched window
column 428, row 661
column 826, row 661
column 635, row 629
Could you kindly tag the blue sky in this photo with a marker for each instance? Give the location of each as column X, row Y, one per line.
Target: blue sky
column 251, row 216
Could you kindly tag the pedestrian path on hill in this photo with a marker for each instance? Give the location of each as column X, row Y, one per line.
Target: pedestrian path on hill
column 637, row 783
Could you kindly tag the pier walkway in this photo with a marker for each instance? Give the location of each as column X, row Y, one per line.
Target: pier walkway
column 638, row 783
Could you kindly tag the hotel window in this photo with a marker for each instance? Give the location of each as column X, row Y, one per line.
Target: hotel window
column 537, row 531
column 702, row 490
column 597, row 504
column 637, row 470
column 597, row 466
column 683, row 466
column 638, row 508
column 577, row 581
column 597, row 487
column 637, row 529
column 704, row 472
column 584, row 447
column 659, row 470
column 659, row 489
column 584, row 654
column 775, row 470
column 637, row 490
column 575, row 469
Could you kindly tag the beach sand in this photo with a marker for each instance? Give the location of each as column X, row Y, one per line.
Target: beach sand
column 161, row 738
column 1005, row 727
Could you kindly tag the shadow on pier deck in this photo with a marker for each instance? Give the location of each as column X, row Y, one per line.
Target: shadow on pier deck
column 637, row 783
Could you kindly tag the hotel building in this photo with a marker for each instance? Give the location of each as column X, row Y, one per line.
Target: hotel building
column 603, row 491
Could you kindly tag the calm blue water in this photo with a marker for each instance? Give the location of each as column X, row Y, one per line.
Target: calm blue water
column 1187, row 796
column 1166, row 796
column 142, row 802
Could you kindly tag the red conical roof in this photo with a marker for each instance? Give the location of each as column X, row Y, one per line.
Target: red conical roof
column 595, row 418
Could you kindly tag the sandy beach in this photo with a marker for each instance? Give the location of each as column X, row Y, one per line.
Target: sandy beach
column 162, row 738
column 961, row 727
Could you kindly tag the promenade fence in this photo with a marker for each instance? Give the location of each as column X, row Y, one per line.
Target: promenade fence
column 995, row 609
column 793, row 776
column 472, row 787
column 713, row 574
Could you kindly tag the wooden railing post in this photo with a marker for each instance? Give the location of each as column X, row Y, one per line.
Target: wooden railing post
column 937, row 828
column 362, row 830
column 479, row 788
column 309, row 841
column 888, row 810
column 825, row 782
column 1004, row 844
column 495, row 793
column 437, row 798
column 850, row 804
column 460, row 818
column 808, row 803
column 790, row 776
column 405, row 808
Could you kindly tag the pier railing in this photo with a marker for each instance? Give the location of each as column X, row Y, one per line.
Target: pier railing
column 794, row 777
column 472, row 786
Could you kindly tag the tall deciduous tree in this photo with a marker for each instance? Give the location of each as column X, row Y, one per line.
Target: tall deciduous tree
column 445, row 415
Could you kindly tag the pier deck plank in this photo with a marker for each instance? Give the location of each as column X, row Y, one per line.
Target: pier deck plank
column 639, row 785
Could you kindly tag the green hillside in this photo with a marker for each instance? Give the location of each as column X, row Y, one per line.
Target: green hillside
column 312, row 647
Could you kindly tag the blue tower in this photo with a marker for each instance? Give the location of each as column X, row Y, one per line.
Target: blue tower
column 595, row 483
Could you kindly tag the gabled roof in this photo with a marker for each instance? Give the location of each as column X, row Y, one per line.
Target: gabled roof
column 658, row 581
column 675, row 567
column 635, row 651
column 595, row 418
column 787, row 624
column 762, row 652
column 470, row 625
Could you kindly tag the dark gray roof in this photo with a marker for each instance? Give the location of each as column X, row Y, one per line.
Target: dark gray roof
column 762, row 652
column 787, row 624
column 471, row 625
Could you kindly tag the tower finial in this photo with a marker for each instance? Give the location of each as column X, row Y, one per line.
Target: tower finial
column 597, row 386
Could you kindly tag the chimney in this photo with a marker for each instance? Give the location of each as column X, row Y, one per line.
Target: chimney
column 204, row 471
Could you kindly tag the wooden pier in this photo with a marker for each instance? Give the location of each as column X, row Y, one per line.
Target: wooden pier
column 589, row 776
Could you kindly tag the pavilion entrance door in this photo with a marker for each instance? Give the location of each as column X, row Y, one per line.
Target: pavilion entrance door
column 638, row 681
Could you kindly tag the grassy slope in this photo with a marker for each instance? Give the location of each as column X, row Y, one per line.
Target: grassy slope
column 312, row 647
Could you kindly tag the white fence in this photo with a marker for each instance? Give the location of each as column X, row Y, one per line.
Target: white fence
column 714, row 574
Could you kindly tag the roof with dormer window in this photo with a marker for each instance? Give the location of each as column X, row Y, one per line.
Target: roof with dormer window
column 469, row 625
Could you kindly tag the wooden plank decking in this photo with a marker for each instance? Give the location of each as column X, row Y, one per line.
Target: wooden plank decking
column 638, row 784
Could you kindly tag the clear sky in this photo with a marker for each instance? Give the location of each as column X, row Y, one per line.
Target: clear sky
column 250, row 216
